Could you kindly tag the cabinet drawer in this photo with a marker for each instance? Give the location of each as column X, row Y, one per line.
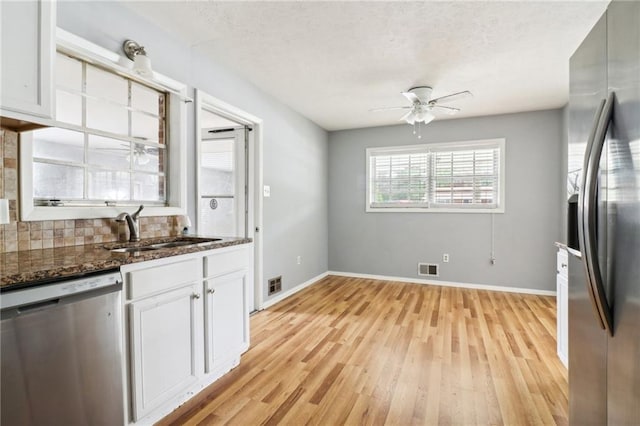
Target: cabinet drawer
column 221, row 263
column 562, row 262
column 159, row 278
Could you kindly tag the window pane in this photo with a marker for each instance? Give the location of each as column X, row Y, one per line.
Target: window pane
column 107, row 117
column 400, row 178
column 145, row 127
column 148, row 158
column 148, row 187
column 145, row 99
column 218, row 167
column 58, row 144
column 109, row 185
column 106, row 85
column 52, row 181
column 68, row 108
column 68, row 73
column 108, row 152
column 466, row 176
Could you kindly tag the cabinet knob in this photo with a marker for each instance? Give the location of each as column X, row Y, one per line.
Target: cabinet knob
column 211, row 290
column 196, row 295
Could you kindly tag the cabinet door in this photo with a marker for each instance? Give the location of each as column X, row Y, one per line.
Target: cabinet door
column 166, row 346
column 562, row 301
column 26, row 57
column 227, row 320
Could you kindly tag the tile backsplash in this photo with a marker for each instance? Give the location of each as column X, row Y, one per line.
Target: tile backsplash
column 59, row 233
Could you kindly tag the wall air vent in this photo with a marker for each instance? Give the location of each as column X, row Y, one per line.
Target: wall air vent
column 429, row 269
column 275, row 285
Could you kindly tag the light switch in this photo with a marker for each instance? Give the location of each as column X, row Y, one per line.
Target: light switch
column 267, row 191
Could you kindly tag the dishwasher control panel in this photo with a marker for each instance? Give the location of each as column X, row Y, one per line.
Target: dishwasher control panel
column 59, row 289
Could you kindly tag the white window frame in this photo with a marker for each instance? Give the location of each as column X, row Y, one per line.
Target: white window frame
column 473, row 144
column 176, row 133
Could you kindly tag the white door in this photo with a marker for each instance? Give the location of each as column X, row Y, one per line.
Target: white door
column 223, row 182
column 227, row 329
column 166, row 344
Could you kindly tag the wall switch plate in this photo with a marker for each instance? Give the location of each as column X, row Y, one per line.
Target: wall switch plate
column 267, row 191
column 445, row 257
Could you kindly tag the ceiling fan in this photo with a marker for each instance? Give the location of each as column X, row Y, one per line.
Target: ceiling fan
column 423, row 108
column 141, row 153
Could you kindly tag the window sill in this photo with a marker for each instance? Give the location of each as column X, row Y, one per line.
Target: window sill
column 66, row 213
column 431, row 210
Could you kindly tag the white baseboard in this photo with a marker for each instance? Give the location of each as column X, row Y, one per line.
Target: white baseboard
column 446, row 283
column 292, row 291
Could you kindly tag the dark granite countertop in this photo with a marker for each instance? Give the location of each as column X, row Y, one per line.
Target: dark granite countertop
column 33, row 267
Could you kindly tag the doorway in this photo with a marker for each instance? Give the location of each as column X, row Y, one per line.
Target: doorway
column 229, row 172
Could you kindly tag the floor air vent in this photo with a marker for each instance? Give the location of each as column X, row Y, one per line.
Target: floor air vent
column 429, row 269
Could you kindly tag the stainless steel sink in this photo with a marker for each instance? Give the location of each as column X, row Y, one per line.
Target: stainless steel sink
column 186, row 242
column 132, row 249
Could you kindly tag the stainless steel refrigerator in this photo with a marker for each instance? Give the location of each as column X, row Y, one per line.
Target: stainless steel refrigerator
column 604, row 264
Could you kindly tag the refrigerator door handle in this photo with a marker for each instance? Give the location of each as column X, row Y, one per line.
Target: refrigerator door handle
column 581, row 204
column 597, row 290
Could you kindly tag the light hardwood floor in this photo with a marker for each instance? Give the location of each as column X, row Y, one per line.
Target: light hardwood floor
column 360, row 351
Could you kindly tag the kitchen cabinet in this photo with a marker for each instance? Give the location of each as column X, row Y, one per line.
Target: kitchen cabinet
column 27, row 52
column 226, row 323
column 562, row 305
column 187, row 325
column 165, row 338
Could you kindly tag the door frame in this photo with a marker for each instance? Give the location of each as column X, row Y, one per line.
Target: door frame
column 254, row 176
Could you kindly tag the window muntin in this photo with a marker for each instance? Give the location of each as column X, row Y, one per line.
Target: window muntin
column 464, row 176
column 108, row 144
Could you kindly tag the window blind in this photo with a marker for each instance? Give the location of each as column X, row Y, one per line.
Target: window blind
column 451, row 176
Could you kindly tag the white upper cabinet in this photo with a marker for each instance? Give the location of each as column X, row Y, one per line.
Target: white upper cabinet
column 27, row 52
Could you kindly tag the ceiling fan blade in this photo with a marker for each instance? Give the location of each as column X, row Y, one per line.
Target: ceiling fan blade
column 409, row 117
column 452, row 97
column 389, row 108
column 445, row 109
column 411, row 97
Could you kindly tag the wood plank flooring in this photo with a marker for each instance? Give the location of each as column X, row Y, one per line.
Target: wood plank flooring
column 359, row 351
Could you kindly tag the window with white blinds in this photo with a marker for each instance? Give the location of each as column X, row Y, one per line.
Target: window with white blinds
column 458, row 176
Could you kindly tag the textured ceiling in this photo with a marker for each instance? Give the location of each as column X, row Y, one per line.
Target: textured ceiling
column 333, row 61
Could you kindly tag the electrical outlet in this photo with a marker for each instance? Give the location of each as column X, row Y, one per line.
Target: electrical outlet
column 445, row 258
column 299, row 260
column 267, row 191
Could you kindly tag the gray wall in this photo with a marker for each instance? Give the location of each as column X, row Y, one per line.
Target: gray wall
column 393, row 243
column 295, row 149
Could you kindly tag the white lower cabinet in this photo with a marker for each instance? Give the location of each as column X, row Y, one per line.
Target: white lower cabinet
column 562, row 302
column 166, row 346
column 226, row 325
column 187, row 325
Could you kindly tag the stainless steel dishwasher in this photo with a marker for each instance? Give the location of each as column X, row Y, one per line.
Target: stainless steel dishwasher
column 61, row 353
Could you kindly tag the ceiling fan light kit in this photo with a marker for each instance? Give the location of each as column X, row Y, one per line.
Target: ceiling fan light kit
column 423, row 107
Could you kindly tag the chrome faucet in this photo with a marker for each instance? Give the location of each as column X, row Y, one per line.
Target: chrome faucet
column 133, row 222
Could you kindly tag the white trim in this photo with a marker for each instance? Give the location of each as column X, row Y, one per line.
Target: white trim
column 435, row 147
column 92, row 53
column 254, row 176
column 293, row 290
column 446, row 283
